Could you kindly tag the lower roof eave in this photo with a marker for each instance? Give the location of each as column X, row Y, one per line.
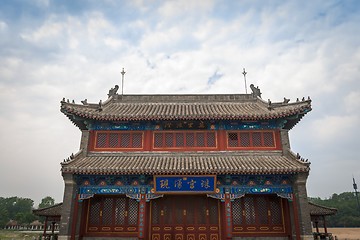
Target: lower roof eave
column 94, row 172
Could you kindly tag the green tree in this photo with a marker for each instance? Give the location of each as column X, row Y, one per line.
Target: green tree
column 16, row 208
column 4, row 214
column 348, row 214
column 47, row 202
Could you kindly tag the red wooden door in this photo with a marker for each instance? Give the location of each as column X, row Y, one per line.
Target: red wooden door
column 112, row 216
column 259, row 215
column 185, row 218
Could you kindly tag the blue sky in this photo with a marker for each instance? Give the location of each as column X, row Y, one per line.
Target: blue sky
column 77, row 49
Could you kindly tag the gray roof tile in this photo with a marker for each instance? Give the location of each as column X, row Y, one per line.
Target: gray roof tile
column 185, row 107
column 185, row 163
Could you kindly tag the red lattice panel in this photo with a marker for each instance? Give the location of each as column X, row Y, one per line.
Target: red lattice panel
column 200, row 140
column 190, row 217
column 249, row 211
column 133, row 212
column 268, row 139
column 101, row 140
column 232, row 139
column 107, row 211
column 213, row 212
column 251, row 139
column 275, row 209
column 211, row 140
column 262, row 210
column 94, row 218
column 179, row 139
column 245, row 139
column 137, row 140
column 256, row 139
column 158, row 140
column 168, row 139
column 190, row 139
column 118, row 139
column 119, row 211
column 113, row 140
column 155, row 213
column 125, row 140
column 237, row 212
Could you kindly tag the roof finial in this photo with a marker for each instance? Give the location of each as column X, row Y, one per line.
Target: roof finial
column 122, row 81
column 244, row 73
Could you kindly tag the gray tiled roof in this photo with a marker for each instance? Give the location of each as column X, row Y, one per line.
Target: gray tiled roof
column 318, row 210
column 185, row 107
column 52, row 211
column 185, row 163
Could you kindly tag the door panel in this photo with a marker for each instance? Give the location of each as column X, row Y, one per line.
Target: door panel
column 112, row 215
column 258, row 214
column 185, row 218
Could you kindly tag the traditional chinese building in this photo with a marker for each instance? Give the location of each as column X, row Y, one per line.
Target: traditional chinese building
column 185, row 167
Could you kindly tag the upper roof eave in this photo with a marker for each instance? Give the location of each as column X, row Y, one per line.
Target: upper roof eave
column 184, row 107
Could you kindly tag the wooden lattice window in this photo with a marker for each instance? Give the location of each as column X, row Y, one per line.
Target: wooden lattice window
column 251, row 139
column 249, row 210
column 119, row 211
column 94, row 212
column 112, row 140
column 112, row 214
column 258, row 212
column 237, row 212
column 275, row 210
column 184, row 139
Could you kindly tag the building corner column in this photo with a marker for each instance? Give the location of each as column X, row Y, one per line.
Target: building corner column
column 302, row 205
column 228, row 216
column 285, row 141
column 142, row 217
column 70, row 194
column 84, row 143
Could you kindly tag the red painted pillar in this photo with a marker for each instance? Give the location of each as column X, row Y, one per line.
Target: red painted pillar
column 228, row 216
column 74, row 218
column 296, row 217
column 317, row 225
column 45, row 226
column 52, row 227
column 142, row 218
column 325, row 228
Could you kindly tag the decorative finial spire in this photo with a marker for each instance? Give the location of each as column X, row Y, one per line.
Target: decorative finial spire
column 122, row 81
column 244, row 73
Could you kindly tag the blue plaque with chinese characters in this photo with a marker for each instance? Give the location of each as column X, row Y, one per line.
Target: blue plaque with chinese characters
column 185, row 184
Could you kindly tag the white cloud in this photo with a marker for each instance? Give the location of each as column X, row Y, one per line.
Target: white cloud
column 286, row 49
column 171, row 9
column 3, row 26
column 333, row 128
column 42, row 3
column 113, row 42
column 352, row 102
column 97, row 24
column 49, row 30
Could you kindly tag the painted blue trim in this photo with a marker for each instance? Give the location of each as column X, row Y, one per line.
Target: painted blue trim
column 208, row 125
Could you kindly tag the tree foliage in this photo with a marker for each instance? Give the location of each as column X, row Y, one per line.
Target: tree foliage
column 16, row 208
column 348, row 214
column 47, row 202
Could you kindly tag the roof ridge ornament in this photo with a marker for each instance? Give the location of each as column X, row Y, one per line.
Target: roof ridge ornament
column 113, row 91
column 255, row 91
column 122, row 81
column 244, row 73
column 269, row 104
column 100, row 106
